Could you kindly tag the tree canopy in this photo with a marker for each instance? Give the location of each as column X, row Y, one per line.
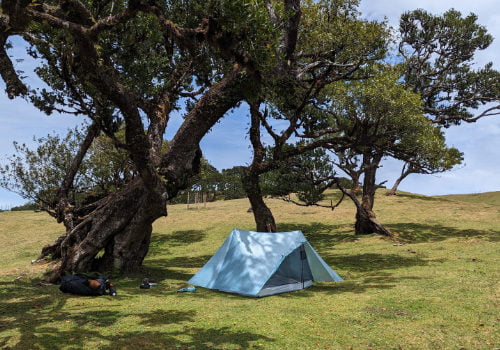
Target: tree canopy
column 36, row 173
column 439, row 56
column 130, row 64
column 390, row 111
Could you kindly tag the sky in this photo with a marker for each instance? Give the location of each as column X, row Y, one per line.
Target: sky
column 226, row 145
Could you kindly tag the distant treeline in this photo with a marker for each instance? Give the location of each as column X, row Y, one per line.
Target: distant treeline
column 26, row 206
column 211, row 185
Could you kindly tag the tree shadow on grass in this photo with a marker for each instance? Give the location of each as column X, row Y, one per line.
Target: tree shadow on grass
column 366, row 271
column 170, row 269
column 179, row 262
column 420, row 197
column 187, row 262
column 419, row 233
column 373, row 266
column 162, row 242
column 379, row 281
column 372, row 262
column 184, row 237
column 325, row 235
column 158, row 272
column 33, row 317
column 188, row 338
column 373, row 272
column 321, row 235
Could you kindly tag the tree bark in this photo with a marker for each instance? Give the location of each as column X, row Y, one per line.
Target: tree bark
column 121, row 226
column 348, row 163
column 264, row 219
column 366, row 221
column 404, row 173
column 263, row 216
column 63, row 206
column 370, row 166
column 356, row 189
column 392, row 191
column 14, row 85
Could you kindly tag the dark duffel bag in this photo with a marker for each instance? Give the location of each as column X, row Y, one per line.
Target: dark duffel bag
column 83, row 285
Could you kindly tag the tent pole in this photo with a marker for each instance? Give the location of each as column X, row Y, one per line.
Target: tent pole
column 302, row 258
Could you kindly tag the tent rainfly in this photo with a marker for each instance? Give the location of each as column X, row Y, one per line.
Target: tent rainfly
column 259, row 264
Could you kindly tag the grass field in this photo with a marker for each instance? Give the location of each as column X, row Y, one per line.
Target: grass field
column 435, row 287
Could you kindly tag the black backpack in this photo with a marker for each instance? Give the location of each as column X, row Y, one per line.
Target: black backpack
column 79, row 285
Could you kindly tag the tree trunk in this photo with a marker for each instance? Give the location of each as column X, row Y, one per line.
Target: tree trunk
column 121, row 226
column 404, row 173
column 356, row 189
column 366, row 222
column 370, row 166
column 263, row 216
column 392, row 191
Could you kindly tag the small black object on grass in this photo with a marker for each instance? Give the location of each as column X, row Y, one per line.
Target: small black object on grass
column 145, row 284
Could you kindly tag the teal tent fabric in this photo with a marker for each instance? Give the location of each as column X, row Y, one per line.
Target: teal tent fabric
column 260, row 263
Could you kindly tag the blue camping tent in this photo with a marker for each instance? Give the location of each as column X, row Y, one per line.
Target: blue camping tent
column 259, row 264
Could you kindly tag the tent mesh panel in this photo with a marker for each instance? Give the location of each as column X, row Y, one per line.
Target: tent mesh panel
column 291, row 272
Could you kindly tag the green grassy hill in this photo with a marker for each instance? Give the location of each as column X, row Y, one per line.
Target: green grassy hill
column 492, row 198
column 435, row 287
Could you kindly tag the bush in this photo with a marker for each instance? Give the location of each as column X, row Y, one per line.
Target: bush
column 26, row 206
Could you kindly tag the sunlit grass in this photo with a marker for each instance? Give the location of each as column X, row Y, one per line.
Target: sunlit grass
column 435, row 287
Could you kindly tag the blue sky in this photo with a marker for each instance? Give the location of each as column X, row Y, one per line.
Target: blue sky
column 226, row 145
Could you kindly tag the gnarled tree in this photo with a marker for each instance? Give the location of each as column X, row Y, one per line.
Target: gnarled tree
column 130, row 63
column 320, row 42
column 433, row 157
column 439, row 66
